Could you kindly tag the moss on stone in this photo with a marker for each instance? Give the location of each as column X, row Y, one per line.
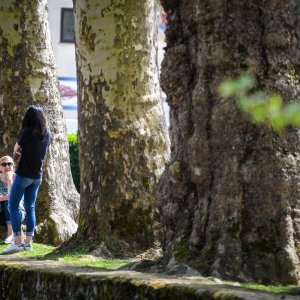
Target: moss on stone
column 53, row 280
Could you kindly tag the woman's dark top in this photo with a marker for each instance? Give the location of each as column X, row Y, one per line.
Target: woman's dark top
column 34, row 149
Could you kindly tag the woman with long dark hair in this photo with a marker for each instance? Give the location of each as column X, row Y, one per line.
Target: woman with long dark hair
column 32, row 146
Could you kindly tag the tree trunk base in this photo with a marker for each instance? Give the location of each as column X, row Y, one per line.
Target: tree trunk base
column 112, row 248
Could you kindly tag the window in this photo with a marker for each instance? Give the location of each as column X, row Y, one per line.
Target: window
column 67, row 26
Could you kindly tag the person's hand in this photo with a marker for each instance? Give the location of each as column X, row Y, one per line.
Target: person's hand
column 17, row 155
column 4, row 198
column 9, row 176
column 17, row 152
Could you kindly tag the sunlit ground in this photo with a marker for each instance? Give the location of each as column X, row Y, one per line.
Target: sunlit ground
column 78, row 257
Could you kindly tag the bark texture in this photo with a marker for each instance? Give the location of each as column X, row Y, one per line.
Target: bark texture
column 28, row 77
column 122, row 139
column 229, row 200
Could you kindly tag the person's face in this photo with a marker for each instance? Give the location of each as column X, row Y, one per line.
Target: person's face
column 6, row 166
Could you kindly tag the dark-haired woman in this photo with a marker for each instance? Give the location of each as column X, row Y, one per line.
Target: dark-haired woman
column 32, row 143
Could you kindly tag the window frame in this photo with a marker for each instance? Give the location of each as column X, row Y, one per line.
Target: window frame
column 63, row 12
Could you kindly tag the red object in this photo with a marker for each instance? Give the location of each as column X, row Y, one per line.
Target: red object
column 67, row 92
column 164, row 18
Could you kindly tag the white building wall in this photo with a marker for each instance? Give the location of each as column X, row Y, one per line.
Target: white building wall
column 64, row 52
column 161, row 45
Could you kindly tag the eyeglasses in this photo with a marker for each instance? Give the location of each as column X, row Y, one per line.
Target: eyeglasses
column 4, row 164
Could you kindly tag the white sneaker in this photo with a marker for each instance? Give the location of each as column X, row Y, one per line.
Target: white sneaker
column 8, row 240
column 27, row 247
column 13, row 248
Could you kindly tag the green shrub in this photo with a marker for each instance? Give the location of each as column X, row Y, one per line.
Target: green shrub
column 74, row 159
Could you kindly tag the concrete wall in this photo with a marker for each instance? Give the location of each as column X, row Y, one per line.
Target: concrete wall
column 22, row 278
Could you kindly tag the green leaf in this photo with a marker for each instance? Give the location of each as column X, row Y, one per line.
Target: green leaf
column 235, row 87
column 228, row 88
column 262, row 108
column 292, row 114
column 274, row 104
column 278, row 122
column 246, row 82
column 259, row 113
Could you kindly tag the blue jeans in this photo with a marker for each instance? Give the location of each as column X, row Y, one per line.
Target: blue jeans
column 27, row 187
column 7, row 214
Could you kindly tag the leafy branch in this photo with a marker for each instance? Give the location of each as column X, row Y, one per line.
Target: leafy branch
column 263, row 108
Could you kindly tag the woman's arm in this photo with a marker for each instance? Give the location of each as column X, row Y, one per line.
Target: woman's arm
column 4, row 197
column 17, row 148
column 9, row 178
column 17, row 152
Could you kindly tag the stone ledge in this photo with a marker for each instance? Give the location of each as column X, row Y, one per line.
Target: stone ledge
column 22, row 278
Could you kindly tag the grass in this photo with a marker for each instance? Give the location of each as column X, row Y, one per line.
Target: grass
column 270, row 288
column 78, row 257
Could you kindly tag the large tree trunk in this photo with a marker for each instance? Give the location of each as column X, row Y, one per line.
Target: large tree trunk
column 122, row 140
column 229, row 201
column 27, row 77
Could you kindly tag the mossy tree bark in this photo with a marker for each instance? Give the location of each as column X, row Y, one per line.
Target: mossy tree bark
column 229, row 201
column 122, row 139
column 28, row 77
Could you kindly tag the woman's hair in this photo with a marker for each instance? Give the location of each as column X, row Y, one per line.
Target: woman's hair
column 35, row 121
column 7, row 158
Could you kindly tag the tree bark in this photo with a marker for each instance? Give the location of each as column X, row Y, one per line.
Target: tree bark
column 229, row 200
column 122, row 139
column 28, row 77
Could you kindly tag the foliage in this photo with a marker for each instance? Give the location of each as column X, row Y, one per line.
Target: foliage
column 263, row 108
column 74, row 159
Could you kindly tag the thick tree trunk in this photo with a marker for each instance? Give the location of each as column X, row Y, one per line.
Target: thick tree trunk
column 28, row 77
column 122, row 140
column 229, row 201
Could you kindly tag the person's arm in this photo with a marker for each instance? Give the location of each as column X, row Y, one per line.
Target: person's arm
column 17, row 148
column 4, row 197
column 9, row 178
column 17, row 152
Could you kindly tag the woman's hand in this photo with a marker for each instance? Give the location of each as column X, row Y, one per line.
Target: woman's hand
column 4, row 198
column 17, row 152
column 9, row 176
column 17, row 148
